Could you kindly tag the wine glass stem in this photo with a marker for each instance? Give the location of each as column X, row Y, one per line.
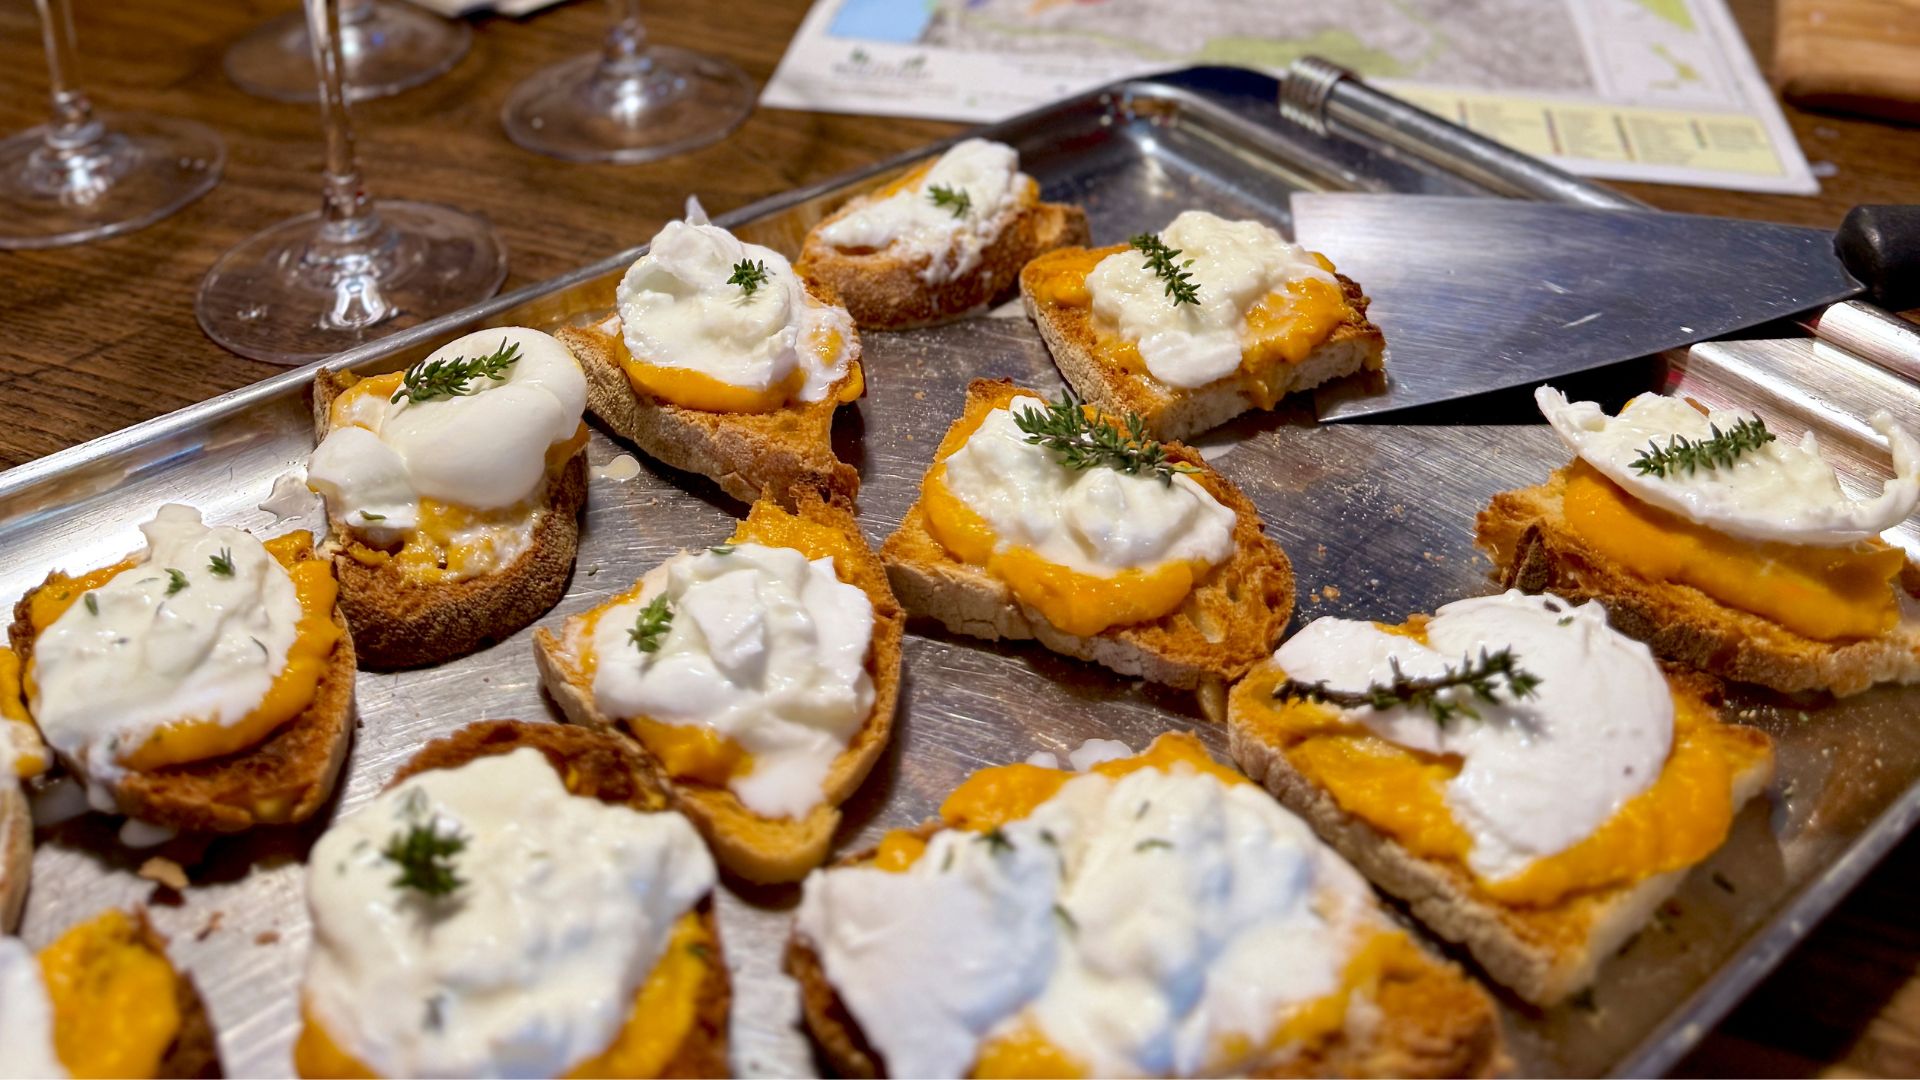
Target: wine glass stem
column 345, row 209
column 74, row 127
column 627, row 41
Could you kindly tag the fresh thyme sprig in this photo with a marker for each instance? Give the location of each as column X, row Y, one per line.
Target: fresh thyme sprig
column 221, row 565
column 423, row 853
column 651, row 627
column 1082, row 441
column 176, row 580
column 1714, row 452
column 749, row 275
column 955, row 199
column 1478, row 676
column 431, row 379
column 1177, row 278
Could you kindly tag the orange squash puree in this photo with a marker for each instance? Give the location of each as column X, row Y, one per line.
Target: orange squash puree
column 664, row 1013
column 13, row 709
column 1279, row 331
column 114, row 1010
column 1025, row 1052
column 696, row 390
column 1677, row 821
column 1074, row 602
column 292, row 690
column 1825, row 593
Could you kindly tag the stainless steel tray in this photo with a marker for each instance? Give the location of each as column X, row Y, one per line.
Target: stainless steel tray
column 1378, row 521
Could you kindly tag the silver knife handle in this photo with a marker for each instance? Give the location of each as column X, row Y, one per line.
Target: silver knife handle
column 1874, row 334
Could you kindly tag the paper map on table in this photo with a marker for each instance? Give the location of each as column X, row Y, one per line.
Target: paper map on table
column 1660, row 90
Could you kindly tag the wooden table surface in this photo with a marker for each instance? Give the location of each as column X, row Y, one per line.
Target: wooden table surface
column 103, row 335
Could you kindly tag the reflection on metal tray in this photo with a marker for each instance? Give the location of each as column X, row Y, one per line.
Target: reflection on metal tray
column 1378, row 520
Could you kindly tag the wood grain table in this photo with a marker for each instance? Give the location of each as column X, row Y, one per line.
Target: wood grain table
column 100, row 336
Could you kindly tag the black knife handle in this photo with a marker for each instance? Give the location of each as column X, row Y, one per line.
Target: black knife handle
column 1880, row 245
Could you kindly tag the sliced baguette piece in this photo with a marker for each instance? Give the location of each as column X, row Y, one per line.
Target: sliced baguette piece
column 195, row 1050
column 16, row 851
column 1228, row 623
column 1432, row 1021
column 745, row 453
column 1543, row 954
column 89, row 957
column 883, row 290
column 281, row 780
column 401, row 623
column 1172, row 412
column 756, row 848
column 1534, row 549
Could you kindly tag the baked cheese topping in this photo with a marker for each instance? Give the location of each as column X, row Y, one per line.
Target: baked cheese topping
column 763, row 666
column 531, row 966
column 701, row 340
column 26, row 1015
column 909, row 224
column 194, row 635
column 454, row 480
column 1780, row 491
column 1239, row 267
column 1158, row 916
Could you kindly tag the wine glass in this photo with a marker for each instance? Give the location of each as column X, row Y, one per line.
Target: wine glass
column 386, row 46
column 86, row 175
column 356, row 269
column 631, row 101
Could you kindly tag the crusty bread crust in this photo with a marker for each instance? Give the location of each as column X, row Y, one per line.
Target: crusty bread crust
column 280, row 780
column 1229, row 623
column 745, row 453
column 883, row 291
column 400, row 623
column 1172, row 413
column 599, row 766
column 1543, row 954
column 16, row 851
column 1534, row 549
column 756, row 848
column 195, row 1051
column 1431, row 1022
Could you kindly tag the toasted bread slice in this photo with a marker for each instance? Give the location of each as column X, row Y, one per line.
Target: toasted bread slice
column 745, row 453
column 1228, row 623
column 758, row 848
column 1431, row 1021
column 195, row 1051
column 16, row 851
column 1172, row 412
column 883, row 291
column 1534, row 549
column 280, row 780
column 1543, row 954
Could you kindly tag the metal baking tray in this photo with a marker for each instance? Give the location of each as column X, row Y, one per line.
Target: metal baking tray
column 1377, row 519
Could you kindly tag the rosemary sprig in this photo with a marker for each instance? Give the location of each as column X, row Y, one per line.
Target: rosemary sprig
column 1714, row 452
column 955, row 199
column 176, row 580
column 749, row 275
column 1479, row 677
column 427, row 380
column 651, row 627
column 221, row 565
column 423, row 853
column 1177, row 278
column 1083, row 442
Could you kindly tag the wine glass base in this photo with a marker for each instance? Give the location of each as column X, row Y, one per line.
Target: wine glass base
column 289, row 295
column 395, row 47
column 141, row 170
column 673, row 101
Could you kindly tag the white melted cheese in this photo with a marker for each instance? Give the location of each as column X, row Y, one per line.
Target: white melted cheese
column 1137, row 923
column 677, row 310
column 483, row 450
column 26, row 1015
column 1098, row 521
column 1236, row 264
column 765, row 648
column 1540, row 774
column 909, row 224
column 143, row 653
column 532, row 965
column 1782, row 491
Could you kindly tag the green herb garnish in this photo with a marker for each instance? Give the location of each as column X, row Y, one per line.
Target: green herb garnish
column 93, row 604
column 1066, row 919
column 652, row 625
column 1082, row 441
column 368, row 515
column 955, row 199
column 723, row 549
column 430, row 379
column 221, row 565
column 1149, row 845
column 749, row 275
column 176, row 580
column 1478, row 677
column 996, row 840
column 423, row 853
column 1717, row 451
column 1177, row 278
